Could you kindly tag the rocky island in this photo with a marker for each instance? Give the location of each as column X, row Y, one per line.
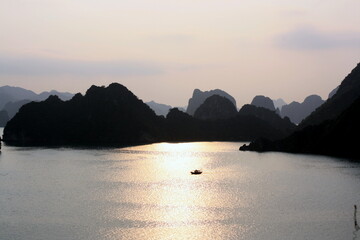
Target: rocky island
column 113, row 115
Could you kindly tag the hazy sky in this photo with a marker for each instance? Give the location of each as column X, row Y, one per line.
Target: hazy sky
column 163, row 49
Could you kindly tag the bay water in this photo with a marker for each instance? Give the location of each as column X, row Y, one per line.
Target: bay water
column 147, row 192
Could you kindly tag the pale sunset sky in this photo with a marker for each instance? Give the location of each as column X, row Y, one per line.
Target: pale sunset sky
column 163, row 49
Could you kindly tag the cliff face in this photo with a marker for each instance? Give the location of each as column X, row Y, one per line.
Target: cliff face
column 216, row 107
column 199, row 98
column 299, row 111
column 262, row 101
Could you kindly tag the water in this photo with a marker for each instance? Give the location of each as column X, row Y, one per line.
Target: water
column 147, row 192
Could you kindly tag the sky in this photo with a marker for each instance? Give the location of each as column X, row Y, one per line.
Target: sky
column 162, row 50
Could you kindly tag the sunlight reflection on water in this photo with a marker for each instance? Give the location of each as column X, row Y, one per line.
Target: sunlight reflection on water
column 147, row 192
column 173, row 203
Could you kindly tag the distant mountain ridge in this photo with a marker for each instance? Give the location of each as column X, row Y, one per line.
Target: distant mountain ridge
column 298, row 111
column 279, row 103
column 161, row 109
column 14, row 94
column 13, row 98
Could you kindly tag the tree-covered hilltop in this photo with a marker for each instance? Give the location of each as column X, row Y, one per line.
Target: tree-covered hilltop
column 113, row 115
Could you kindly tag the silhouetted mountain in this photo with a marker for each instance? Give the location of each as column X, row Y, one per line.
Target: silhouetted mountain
column 16, row 94
column 180, row 126
column 183, row 127
column 62, row 95
column 11, row 94
column 216, row 107
column 159, row 109
column 334, row 136
column 115, row 116
column 279, row 103
column 199, row 98
column 348, row 91
column 4, row 118
column 332, row 93
column 271, row 117
column 299, row 111
column 262, row 101
column 337, row 137
column 111, row 115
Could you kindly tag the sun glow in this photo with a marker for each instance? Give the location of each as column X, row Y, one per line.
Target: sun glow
column 182, row 147
column 178, row 159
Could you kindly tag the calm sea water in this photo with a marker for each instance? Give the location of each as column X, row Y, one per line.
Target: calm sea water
column 147, row 192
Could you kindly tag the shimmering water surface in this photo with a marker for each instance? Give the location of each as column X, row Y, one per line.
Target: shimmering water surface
column 147, row 192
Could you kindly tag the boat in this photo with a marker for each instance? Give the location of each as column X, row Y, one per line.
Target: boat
column 196, row 171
